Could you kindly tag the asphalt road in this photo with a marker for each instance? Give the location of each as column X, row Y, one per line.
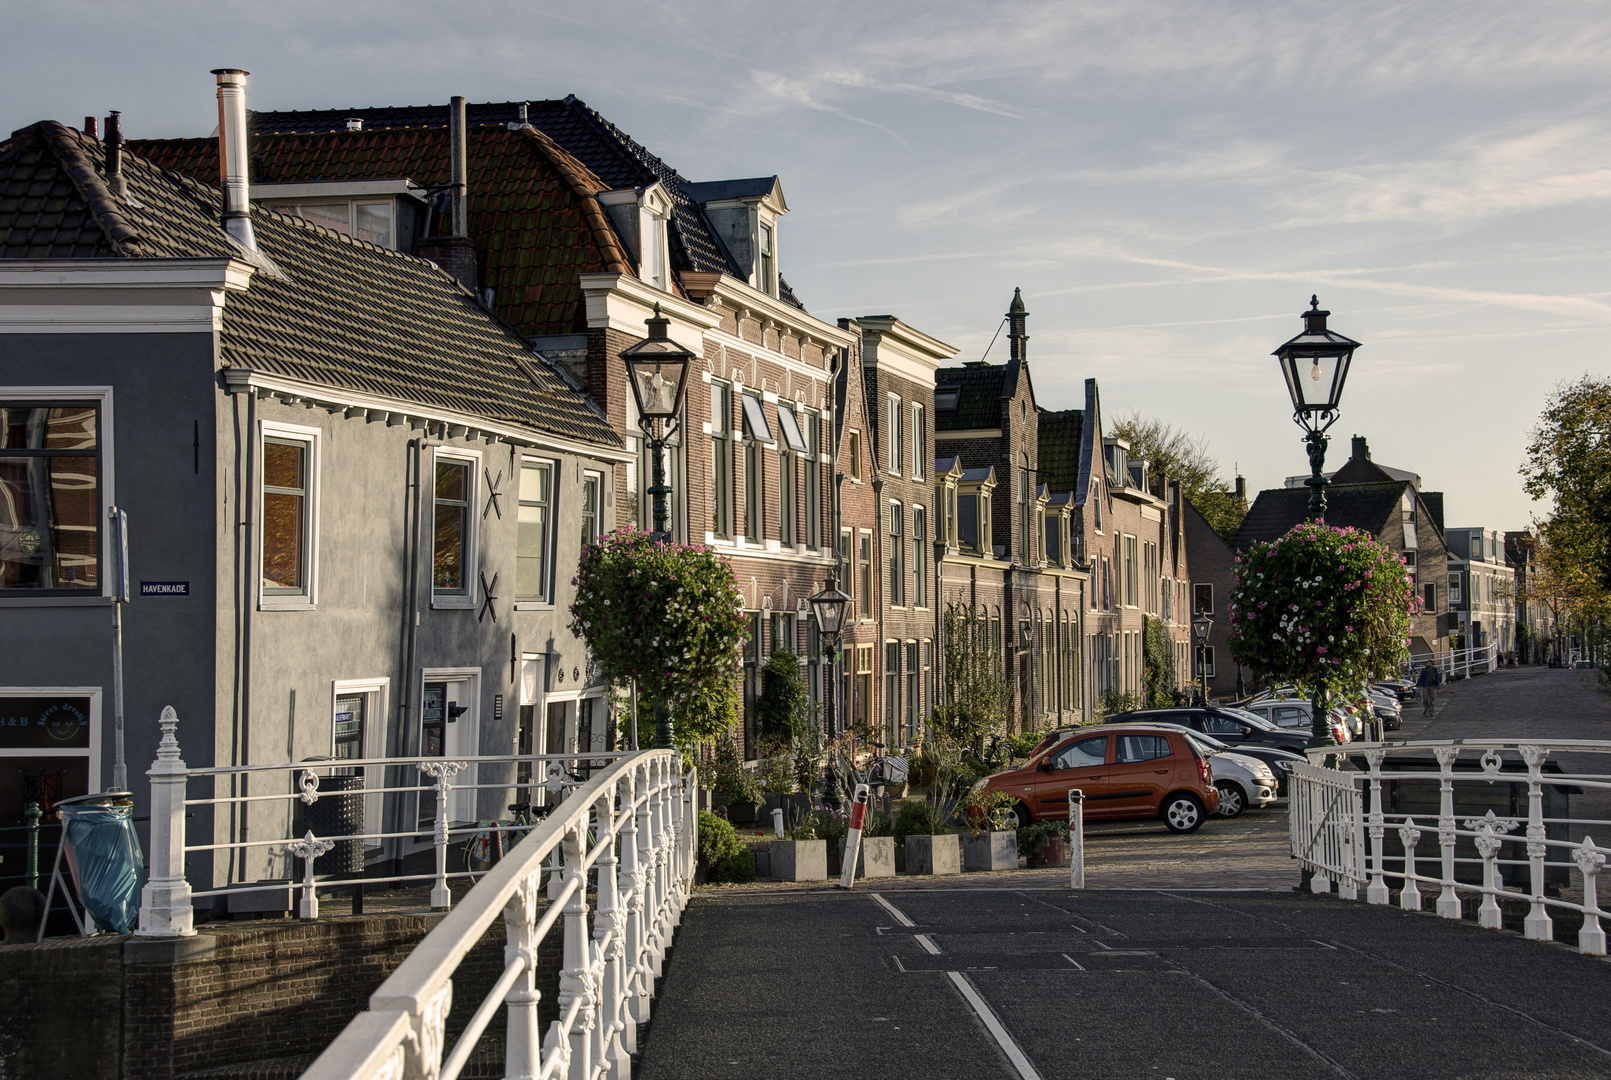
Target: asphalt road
column 1099, row 984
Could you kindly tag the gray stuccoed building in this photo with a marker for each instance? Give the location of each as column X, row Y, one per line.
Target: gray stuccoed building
column 356, row 500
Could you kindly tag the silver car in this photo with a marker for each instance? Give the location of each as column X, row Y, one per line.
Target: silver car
column 1242, row 781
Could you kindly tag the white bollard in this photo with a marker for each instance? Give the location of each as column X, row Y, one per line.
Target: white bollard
column 1076, row 838
column 858, row 814
column 777, row 822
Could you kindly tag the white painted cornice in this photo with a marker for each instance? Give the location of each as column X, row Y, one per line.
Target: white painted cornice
column 759, row 305
column 968, row 433
column 378, row 408
column 117, row 296
column 623, row 302
column 890, row 344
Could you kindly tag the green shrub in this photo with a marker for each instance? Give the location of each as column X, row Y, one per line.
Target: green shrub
column 988, row 809
column 1033, row 840
column 781, row 709
column 737, row 868
column 724, row 856
column 917, row 817
column 728, row 774
column 1022, row 744
column 877, row 823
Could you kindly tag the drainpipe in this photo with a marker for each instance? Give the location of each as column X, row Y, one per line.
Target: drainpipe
column 232, row 160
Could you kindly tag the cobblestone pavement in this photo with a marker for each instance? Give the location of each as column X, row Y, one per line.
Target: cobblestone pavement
column 1514, row 703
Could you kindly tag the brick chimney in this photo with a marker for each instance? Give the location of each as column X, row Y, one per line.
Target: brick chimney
column 1361, row 449
column 1241, row 489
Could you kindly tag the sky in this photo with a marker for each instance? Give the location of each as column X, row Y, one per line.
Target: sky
column 1168, row 182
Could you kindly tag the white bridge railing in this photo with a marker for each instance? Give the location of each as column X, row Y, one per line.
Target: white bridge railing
column 1498, row 812
column 1460, row 663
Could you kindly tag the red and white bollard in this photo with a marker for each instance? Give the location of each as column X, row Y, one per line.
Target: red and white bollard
column 858, row 814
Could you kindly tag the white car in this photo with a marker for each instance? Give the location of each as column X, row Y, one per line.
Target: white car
column 1242, row 781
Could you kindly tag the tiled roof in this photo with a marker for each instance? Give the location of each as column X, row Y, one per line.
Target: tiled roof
column 617, row 159
column 339, row 312
column 978, row 404
column 1059, row 449
column 532, row 212
column 1277, row 510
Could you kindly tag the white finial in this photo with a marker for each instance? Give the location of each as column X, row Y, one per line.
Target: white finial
column 168, row 748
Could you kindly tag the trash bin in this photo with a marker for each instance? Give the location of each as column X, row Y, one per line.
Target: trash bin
column 103, row 856
column 339, row 813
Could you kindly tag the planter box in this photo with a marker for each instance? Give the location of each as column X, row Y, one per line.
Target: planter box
column 1054, row 854
column 799, row 860
column 738, row 813
column 990, row 851
column 934, row 854
column 877, row 857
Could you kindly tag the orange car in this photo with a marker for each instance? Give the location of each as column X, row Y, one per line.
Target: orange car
column 1124, row 772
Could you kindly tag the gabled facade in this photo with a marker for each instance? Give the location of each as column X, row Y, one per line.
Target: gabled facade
column 1129, row 528
column 994, row 558
column 1482, row 590
column 354, row 496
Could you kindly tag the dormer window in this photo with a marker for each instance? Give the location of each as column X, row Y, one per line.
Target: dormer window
column 945, row 398
column 745, row 214
column 768, row 277
column 386, row 213
column 640, row 217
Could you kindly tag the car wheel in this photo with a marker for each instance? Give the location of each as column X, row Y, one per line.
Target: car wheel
column 1182, row 813
column 1024, row 816
column 1231, row 800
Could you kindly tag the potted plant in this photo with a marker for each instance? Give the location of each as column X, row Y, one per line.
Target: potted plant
column 1044, row 843
column 803, row 856
column 877, row 847
column 991, row 844
column 931, row 847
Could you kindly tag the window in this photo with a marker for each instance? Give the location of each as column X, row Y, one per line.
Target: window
column 1205, row 661
column 948, row 515
column 757, row 434
column 892, row 693
column 914, row 691
column 847, row 566
column 1135, row 748
column 1202, row 598
column 1096, row 504
column 813, row 481
column 855, row 455
column 784, row 634
column 1132, row 573
column 51, row 736
column 1429, row 598
column 592, row 484
column 968, row 532
column 51, row 500
column 533, row 559
column 288, row 512
column 919, row 442
column 721, row 466
column 787, row 475
column 453, row 558
column 920, row 557
column 1024, row 546
column 892, row 438
column 371, row 221
column 895, row 548
column 864, row 586
column 1083, row 754
column 767, row 261
column 946, row 397
column 864, row 684
column 1454, row 588
column 928, row 675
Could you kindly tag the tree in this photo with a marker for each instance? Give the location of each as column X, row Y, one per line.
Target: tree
column 782, row 710
column 978, row 695
column 1569, row 461
column 1323, row 607
column 1175, row 454
column 668, row 616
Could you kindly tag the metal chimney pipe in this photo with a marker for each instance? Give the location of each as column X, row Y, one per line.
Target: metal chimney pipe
column 460, row 214
column 232, row 161
column 114, row 156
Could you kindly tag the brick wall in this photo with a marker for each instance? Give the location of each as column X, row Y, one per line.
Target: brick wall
column 235, row 994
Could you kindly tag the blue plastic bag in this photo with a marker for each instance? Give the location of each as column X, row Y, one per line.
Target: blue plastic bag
column 104, row 856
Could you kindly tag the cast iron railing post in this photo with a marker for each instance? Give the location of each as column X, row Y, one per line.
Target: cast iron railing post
column 1538, row 925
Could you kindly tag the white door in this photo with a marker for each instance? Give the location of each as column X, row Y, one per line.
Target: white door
column 448, row 729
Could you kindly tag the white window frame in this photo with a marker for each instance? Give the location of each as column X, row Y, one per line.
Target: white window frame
column 308, row 598
column 550, row 572
column 892, row 412
column 102, row 395
column 918, row 438
column 449, row 601
column 93, row 777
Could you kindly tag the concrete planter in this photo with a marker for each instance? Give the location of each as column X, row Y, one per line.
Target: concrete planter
column 990, row 851
column 799, row 860
column 934, row 854
column 877, row 857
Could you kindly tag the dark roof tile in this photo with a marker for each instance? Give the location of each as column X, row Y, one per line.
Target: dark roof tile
column 979, row 400
column 1361, row 506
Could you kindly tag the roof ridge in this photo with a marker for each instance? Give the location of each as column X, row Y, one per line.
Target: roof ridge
column 103, row 206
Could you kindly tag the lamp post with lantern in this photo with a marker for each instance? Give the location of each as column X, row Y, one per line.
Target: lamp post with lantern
column 829, row 607
column 657, row 371
column 1315, row 365
column 1201, row 625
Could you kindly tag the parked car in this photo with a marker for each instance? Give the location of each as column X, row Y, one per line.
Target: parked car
column 1279, row 761
column 1126, row 772
column 1402, row 689
column 1243, row 782
column 1295, row 716
column 1228, row 725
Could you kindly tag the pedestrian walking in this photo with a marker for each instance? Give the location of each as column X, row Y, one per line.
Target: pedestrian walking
column 1428, row 681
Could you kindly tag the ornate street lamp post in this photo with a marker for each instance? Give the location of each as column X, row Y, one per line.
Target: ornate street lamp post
column 657, row 371
column 1201, row 625
column 829, row 606
column 1315, row 364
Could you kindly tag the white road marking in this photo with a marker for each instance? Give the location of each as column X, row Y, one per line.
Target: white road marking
column 1073, row 961
column 893, row 910
column 923, row 940
column 1026, row 1071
